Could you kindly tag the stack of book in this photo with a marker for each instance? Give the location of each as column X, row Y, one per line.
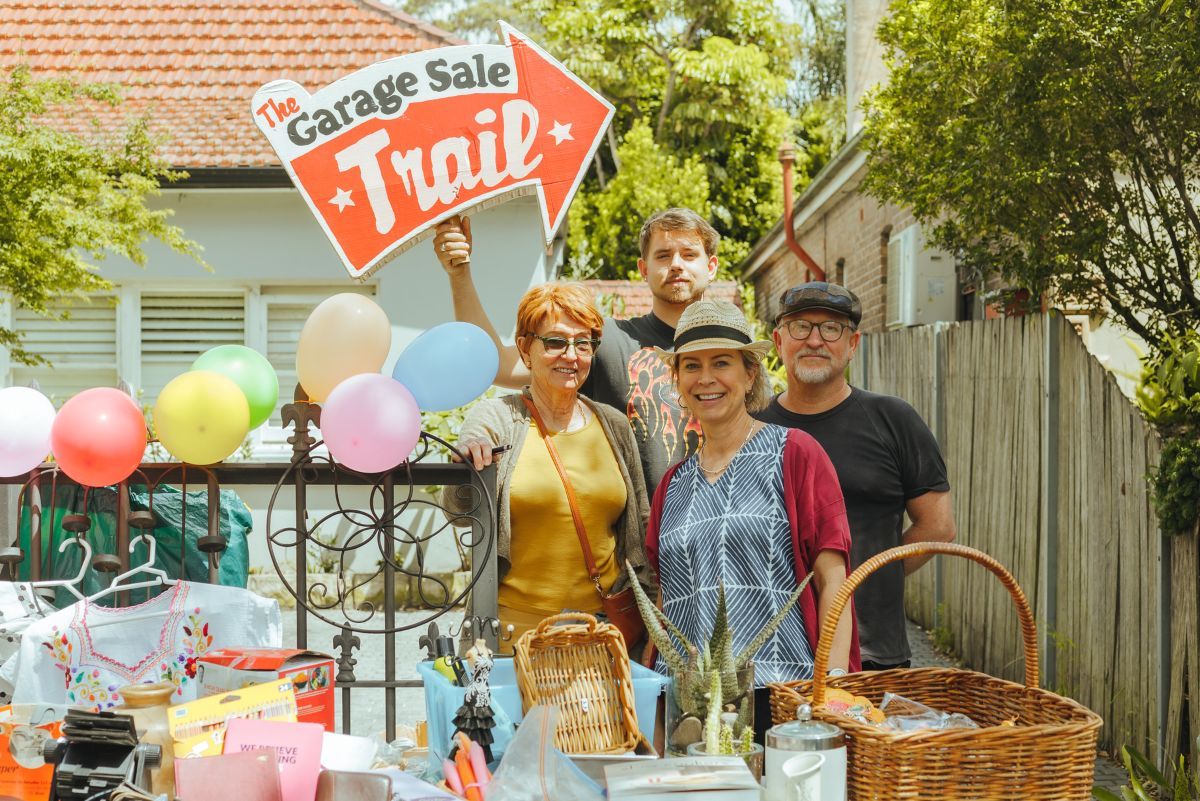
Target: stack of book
column 683, row 779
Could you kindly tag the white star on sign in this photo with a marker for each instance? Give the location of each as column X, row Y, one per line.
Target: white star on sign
column 561, row 132
column 342, row 199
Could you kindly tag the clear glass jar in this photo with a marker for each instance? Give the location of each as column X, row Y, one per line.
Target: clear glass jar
column 687, row 709
column 147, row 705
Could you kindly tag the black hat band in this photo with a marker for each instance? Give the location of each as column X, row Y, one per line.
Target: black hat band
column 711, row 332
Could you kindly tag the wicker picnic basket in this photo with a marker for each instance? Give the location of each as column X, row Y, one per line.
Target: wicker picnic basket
column 581, row 667
column 1048, row 752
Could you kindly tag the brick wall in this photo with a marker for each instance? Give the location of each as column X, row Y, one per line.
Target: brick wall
column 848, row 238
column 626, row 299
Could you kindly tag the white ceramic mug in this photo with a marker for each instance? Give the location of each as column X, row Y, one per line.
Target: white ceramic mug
column 802, row 777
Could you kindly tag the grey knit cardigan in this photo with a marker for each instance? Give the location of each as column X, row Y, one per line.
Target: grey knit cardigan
column 504, row 421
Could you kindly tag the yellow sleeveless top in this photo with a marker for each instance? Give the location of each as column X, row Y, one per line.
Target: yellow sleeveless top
column 548, row 573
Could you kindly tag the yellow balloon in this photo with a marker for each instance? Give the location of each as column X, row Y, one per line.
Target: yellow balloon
column 201, row 417
column 345, row 335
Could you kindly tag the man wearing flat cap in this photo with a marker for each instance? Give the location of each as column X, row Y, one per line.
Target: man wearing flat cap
column 886, row 458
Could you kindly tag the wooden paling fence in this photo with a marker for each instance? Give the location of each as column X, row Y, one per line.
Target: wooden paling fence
column 1048, row 465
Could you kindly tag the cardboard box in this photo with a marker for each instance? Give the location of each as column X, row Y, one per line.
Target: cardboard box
column 198, row 727
column 311, row 674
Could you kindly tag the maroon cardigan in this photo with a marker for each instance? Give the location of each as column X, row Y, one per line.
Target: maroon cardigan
column 816, row 515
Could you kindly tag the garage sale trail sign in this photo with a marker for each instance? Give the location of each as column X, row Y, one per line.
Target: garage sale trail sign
column 385, row 153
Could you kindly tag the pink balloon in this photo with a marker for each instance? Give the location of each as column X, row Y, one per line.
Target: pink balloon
column 26, row 417
column 98, row 437
column 370, row 423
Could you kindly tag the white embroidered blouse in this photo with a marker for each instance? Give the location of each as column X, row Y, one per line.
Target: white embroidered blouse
column 83, row 654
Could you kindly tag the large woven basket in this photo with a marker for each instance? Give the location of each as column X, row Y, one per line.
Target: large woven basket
column 1048, row 753
column 583, row 669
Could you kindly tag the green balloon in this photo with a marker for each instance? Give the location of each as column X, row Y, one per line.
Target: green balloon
column 251, row 371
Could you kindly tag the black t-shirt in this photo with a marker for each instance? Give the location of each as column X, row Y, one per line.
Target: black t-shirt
column 884, row 455
column 628, row 375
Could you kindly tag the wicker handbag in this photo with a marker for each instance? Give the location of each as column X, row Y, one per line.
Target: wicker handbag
column 1047, row 753
column 583, row 669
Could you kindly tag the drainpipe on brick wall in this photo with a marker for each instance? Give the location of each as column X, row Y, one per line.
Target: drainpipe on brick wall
column 813, row 271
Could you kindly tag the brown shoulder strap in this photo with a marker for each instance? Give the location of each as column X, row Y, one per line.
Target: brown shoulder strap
column 588, row 559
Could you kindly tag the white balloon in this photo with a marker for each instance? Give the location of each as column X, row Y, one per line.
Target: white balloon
column 26, row 417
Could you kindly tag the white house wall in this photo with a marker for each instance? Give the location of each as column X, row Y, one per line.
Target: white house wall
column 256, row 237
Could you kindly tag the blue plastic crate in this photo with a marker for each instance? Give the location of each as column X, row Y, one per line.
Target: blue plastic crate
column 442, row 700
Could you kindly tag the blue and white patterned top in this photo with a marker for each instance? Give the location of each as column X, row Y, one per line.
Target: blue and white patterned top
column 734, row 531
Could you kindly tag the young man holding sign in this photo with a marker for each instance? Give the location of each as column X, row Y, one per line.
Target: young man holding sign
column 678, row 260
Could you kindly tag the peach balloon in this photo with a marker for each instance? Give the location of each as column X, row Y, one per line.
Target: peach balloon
column 347, row 334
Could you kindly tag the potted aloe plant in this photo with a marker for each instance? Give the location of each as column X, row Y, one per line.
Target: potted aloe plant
column 710, row 704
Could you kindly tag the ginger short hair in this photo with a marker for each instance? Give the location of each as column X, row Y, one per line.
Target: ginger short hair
column 679, row 219
column 554, row 298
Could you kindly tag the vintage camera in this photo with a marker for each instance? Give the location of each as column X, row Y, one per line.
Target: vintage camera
column 98, row 753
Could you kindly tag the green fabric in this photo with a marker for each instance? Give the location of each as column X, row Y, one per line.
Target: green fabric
column 234, row 524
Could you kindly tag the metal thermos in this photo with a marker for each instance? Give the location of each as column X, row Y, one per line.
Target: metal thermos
column 806, row 735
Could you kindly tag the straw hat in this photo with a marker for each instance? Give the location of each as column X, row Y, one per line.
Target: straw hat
column 713, row 324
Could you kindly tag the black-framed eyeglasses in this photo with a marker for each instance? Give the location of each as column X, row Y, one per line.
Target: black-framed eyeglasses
column 830, row 330
column 584, row 346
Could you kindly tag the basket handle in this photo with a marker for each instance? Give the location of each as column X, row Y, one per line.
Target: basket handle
column 554, row 620
column 842, row 597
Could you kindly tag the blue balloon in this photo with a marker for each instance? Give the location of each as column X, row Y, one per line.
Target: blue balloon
column 447, row 366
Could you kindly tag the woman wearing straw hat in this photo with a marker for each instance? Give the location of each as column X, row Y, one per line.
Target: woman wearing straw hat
column 755, row 510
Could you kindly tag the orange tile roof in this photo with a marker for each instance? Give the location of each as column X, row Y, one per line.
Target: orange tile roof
column 628, row 299
column 195, row 64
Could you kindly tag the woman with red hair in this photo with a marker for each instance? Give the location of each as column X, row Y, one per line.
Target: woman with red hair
column 541, row 558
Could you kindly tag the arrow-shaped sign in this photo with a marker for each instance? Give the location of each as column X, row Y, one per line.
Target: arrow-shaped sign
column 383, row 154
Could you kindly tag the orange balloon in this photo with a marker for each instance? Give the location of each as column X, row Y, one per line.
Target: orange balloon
column 347, row 334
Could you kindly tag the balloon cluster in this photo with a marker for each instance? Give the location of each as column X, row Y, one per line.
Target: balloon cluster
column 204, row 415
column 371, row 422
column 99, row 436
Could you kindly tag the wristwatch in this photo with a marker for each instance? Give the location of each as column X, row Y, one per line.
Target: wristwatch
column 835, row 672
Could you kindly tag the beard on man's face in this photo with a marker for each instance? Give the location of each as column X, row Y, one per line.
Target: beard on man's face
column 672, row 290
column 809, row 373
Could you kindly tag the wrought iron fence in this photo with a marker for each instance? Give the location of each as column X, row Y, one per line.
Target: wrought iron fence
column 381, row 528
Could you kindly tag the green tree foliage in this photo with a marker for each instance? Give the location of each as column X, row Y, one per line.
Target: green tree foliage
column 1052, row 142
column 717, row 84
column 817, row 94
column 67, row 201
column 1169, row 396
column 650, row 179
column 708, row 81
column 820, row 53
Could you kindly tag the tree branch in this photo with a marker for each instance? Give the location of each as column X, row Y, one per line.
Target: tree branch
column 668, row 97
column 1122, row 310
column 612, row 148
column 1186, row 289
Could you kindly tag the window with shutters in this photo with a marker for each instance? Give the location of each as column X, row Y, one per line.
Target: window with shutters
column 176, row 327
column 286, row 309
column 82, row 349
